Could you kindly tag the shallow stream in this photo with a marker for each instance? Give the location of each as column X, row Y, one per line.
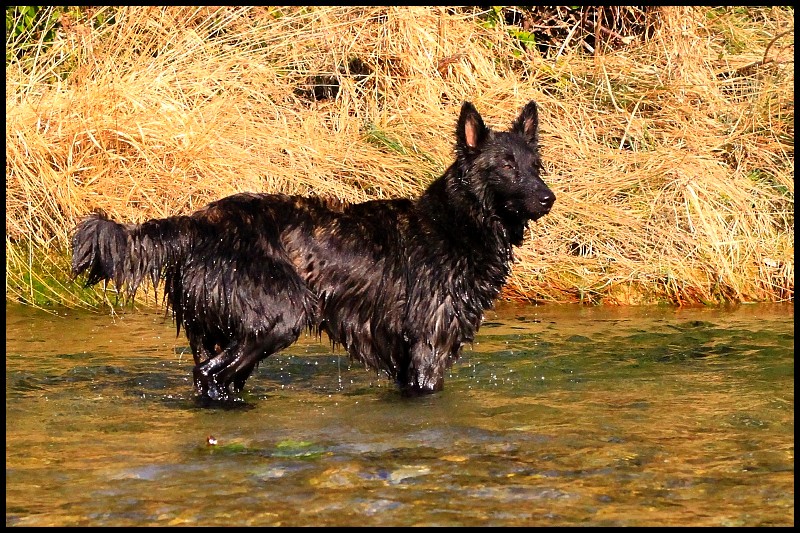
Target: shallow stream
column 557, row 415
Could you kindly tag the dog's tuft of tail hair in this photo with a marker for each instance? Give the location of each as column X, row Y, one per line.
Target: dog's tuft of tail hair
column 128, row 254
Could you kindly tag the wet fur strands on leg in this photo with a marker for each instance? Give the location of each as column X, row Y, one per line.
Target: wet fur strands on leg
column 401, row 284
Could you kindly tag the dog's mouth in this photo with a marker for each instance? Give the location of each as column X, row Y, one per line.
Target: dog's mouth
column 536, row 216
column 533, row 210
column 540, row 206
column 530, row 207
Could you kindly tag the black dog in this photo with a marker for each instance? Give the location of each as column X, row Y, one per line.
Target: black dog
column 401, row 284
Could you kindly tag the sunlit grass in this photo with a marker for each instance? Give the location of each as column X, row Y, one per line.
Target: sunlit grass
column 672, row 158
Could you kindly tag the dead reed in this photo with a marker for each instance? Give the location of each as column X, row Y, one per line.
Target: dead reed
column 672, row 156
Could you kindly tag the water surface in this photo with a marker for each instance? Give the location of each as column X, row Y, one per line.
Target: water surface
column 557, row 415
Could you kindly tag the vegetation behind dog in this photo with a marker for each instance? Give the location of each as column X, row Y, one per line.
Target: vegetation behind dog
column 667, row 133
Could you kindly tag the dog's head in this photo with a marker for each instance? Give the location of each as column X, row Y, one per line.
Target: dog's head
column 502, row 168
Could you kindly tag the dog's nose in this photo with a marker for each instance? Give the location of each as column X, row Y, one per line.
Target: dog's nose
column 547, row 200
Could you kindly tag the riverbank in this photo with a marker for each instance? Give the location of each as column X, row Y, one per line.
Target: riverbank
column 670, row 149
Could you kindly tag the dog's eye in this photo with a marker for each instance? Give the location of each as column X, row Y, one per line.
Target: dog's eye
column 508, row 166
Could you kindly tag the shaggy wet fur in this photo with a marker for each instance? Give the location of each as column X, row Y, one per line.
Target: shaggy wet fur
column 402, row 284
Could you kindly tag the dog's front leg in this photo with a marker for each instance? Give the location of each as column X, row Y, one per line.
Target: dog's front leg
column 426, row 370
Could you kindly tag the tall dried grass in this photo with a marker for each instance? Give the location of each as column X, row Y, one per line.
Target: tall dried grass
column 672, row 158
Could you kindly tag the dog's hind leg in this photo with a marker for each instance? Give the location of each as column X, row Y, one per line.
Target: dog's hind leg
column 251, row 314
column 227, row 372
column 254, row 349
column 204, row 346
column 205, row 373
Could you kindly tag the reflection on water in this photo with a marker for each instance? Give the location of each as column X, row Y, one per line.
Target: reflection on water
column 558, row 415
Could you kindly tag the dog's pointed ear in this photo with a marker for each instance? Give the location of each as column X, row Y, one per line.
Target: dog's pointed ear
column 471, row 131
column 527, row 123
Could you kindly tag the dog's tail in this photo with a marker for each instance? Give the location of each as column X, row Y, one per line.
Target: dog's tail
column 129, row 254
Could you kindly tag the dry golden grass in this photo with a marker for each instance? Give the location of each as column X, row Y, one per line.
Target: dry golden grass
column 672, row 158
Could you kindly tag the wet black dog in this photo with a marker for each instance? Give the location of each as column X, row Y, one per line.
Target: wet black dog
column 402, row 284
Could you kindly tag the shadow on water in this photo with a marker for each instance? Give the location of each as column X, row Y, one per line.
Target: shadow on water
column 557, row 415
